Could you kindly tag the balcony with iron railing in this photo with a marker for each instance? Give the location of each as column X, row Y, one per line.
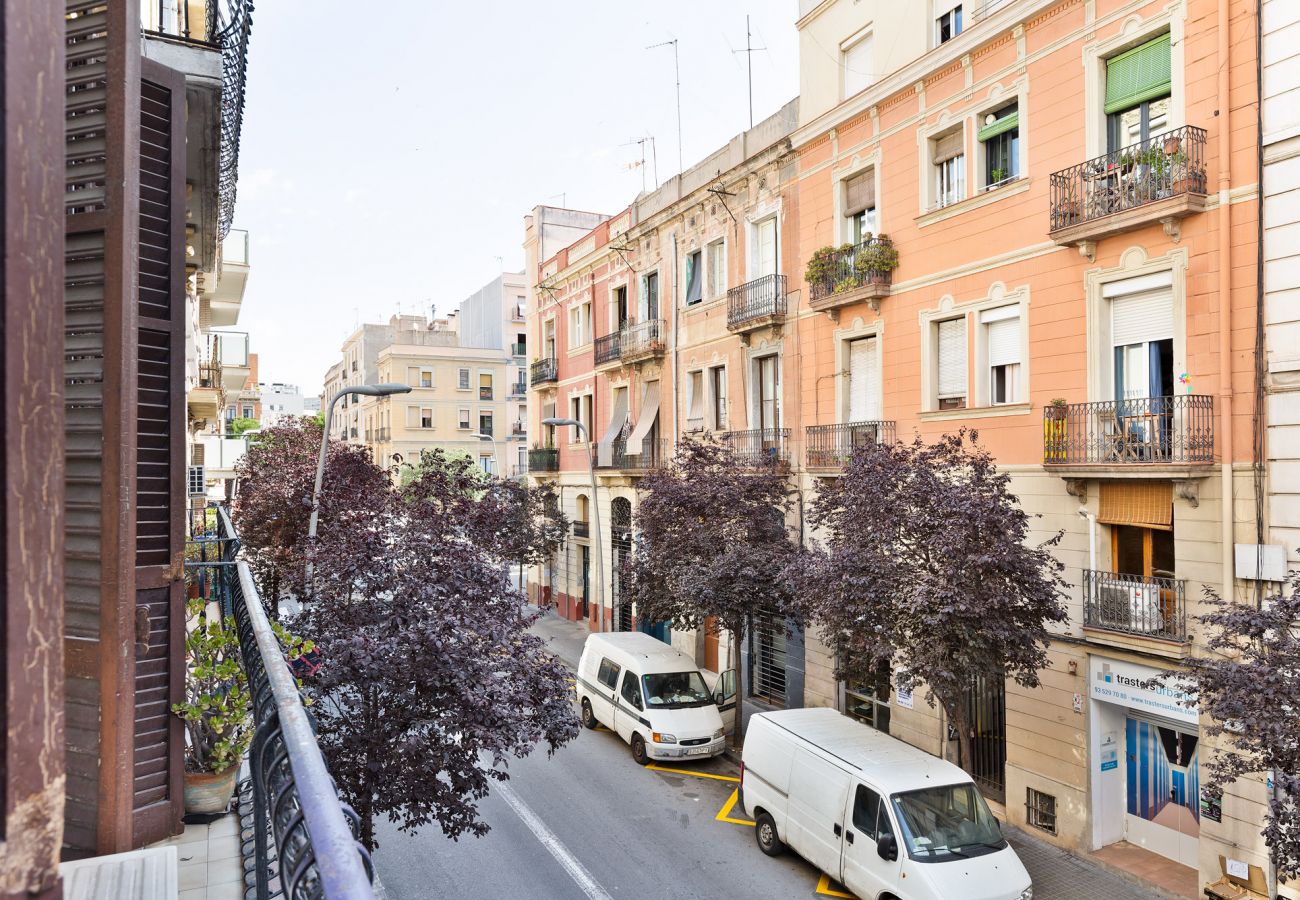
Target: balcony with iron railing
column 581, row 529
column 1154, row 607
column 756, row 303
column 519, row 389
column 544, row 459
column 854, row 273
column 608, row 348
column 299, row 839
column 1148, row 433
column 654, row 455
column 544, row 371
column 383, row 435
column 519, row 470
column 759, row 448
column 518, row 348
column 642, row 340
column 1161, row 180
column 831, row 446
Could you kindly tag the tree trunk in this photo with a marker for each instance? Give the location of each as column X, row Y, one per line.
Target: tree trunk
column 733, row 654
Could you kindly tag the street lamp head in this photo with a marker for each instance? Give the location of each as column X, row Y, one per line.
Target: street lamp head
column 560, row 422
column 483, row 437
column 377, row 390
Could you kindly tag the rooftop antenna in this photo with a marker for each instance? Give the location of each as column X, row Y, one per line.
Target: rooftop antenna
column 749, row 52
column 640, row 142
column 561, row 196
column 677, row 76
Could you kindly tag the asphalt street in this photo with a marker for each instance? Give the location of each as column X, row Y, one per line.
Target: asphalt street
column 590, row 823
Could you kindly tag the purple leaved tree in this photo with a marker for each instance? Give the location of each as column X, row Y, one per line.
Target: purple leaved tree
column 431, row 681
column 1249, row 686
column 712, row 545
column 923, row 565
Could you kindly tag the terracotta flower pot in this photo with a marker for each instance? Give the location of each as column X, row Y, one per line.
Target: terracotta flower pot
column 209, row 792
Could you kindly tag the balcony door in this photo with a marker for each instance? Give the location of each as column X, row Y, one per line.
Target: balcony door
column 765, row 247
column 1138, row 84
column 864, row 380
column 769, row 394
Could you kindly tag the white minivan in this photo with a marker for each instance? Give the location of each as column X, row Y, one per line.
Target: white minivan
column 886, row 819
column 652, row 695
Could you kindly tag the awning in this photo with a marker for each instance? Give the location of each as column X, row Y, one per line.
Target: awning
column 649, row 414
column 617, row 419
column 1146, row 504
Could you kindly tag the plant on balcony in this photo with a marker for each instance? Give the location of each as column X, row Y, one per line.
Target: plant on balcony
column 824, row 263
column 421, row 635
column 875, row 259
column 925, row 568
column 1247, row 687
column 713, row 546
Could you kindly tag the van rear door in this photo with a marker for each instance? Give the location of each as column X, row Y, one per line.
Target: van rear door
column 819, row 792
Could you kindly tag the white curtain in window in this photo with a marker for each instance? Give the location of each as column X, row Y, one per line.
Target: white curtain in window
column 695, row 400
column 952, row 358
column 864, row 381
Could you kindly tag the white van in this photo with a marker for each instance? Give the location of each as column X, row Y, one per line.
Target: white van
column 651, row 694
column 884, row 818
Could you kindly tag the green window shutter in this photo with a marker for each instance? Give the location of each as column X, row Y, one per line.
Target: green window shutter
column 1137, row 75
column 1004, row 124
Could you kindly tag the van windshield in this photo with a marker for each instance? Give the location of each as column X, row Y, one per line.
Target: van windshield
column 676, row 690
column 949, row 822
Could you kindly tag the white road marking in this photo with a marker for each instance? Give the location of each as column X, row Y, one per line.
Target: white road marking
column 577, row 871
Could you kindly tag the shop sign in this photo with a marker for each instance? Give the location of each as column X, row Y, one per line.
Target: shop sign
column 1125, row 684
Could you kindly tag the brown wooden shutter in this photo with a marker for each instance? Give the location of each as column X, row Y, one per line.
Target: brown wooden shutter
column 860, row 193
column 160, row 461
column 1146, row 504
column 948, row 146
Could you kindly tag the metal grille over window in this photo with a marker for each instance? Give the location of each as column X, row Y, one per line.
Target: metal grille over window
column 1040, row 810
column 767, row 650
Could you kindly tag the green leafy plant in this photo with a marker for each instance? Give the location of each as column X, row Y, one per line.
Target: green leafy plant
column 998, row 175
column 876, row 258
column 823, row 263
column 238, row 426
column 216, row 710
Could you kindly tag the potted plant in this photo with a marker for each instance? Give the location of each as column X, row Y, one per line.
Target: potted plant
column 216, row 711
column 1054, row 416
column 996, row 177
column 876, row 261
column 1173, row 143
column 1056, row 408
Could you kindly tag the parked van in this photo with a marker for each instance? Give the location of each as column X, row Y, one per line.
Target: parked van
column 884, row 818
column 652, row 695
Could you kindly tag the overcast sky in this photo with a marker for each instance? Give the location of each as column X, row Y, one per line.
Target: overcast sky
column 391, row 150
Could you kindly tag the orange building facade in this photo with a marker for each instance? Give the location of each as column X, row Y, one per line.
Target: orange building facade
column 1037, row 220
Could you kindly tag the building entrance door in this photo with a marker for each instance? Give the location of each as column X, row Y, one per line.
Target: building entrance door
column 1162, row 788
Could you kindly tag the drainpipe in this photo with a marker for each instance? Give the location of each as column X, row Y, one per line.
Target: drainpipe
column 672, row 371
column 1225, row 291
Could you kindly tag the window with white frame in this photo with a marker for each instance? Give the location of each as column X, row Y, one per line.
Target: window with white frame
column 864, row 380
column 462, row 421
column 575, row 413
column 694, row 277
column 999, row 140
column 426, row 417
column 717, row 267
column 649, row 303
column 1142, row 332
column 860, row 206
column 718, row 398
column 767, row 370
column 763, row 258
column 856, row 61
column 950, row 357
column 695, row 401
column 948, row 159
column 485, row 462
column 485, row 425
column 580, row 324
column 1001, row 333
column 462, row 379
column 947, row 21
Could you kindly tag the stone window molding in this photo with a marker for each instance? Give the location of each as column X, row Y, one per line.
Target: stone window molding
column 977, row 389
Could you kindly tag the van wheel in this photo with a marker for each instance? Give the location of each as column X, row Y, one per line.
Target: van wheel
column 638, row 750
column 588, row 717
column 765, row 833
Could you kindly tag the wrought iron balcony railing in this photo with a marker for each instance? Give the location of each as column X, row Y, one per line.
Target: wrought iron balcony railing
column 1167, row 165
column 383, row 435
column 519, row 470
column 519, row 389
column 756, row 302
column 544, row 371
column 642, row 338
column 1143, row 431
column 544, row 459
column 581, row 529
column 759, row 448
column 303, row 835
column 654, row 455
column 847, row 269
column 607, row 347
column 831, row 446
column 1150, row 607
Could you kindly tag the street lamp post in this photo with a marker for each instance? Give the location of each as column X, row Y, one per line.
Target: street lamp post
column 496, row 458
column 361, row 390
column 595, row 512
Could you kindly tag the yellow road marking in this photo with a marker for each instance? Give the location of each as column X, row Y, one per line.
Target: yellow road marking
column 724, row 814
column 824, row 887
column 659, row 768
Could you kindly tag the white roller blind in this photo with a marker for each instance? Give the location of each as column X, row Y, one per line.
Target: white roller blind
column 1004, row 342
column 944, row 6
column 857, row 66
column 1142, row 317
column 765, row 259
column 952, row 358
column 864, row 383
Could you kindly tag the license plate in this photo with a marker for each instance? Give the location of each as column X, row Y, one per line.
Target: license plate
column 697, row 751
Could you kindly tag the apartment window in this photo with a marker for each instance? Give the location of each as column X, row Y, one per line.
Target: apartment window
column 864, row 380
column 867, row 700
column 485, row 423
column 248, row 412
column 548, row 339
column 1040, row 810
column 695, row 401
column 856, row 61
column 767, row 658
column 860, row 205
column 717, row 263
column 950, row 342
column 1002, row 348
column 426, row 378
column 694, row 278
column 1142, row 331
column 462, row 379
column 426, row 417
column 521, row 307
column 947, row 21
column 575, row 413
column 195, row 480
column 649, row 297
column 485, row 385
column 462, row 421
column 485, row 462
column 769, row 391
column 949, row 163
column 579, row 325
column 1138, row 84
column 718, row 394
column 764, row 257
column 620, row 307
column 1000, row 141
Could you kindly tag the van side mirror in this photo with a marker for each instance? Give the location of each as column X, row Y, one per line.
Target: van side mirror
column 718, row 698
column 887, row 847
